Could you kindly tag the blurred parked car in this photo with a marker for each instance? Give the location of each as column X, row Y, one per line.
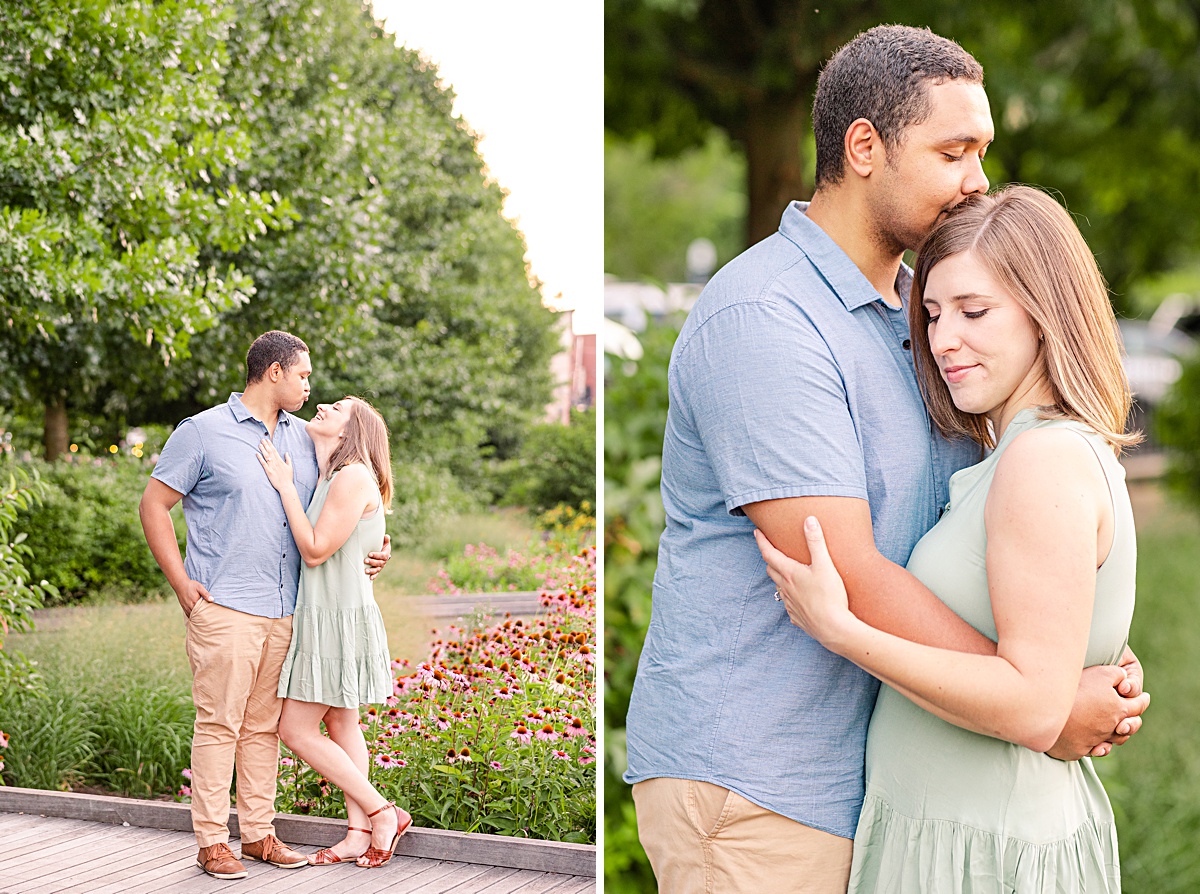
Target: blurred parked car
column 1155, row 351
column 1153, row 358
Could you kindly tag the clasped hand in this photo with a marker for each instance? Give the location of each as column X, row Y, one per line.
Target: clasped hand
column 813, row 594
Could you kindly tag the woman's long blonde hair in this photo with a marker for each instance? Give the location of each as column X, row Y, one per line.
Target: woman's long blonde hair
column 1032, row 247
column 365, row 440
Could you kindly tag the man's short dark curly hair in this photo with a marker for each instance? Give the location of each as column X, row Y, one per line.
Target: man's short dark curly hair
column 882, row 75
column 271, row 347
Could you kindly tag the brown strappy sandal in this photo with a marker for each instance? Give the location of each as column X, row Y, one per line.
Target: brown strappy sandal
column 326, row 857
column 376, row 857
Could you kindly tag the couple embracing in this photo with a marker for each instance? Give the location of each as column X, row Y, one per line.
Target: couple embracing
column 276, row 649
column 940, row 447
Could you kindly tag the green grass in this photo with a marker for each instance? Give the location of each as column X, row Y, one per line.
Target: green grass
column 410, row 570
column 112, row 706
column 1154, row 780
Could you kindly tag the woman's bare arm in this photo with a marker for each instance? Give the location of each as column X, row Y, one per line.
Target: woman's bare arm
column 1043, row 514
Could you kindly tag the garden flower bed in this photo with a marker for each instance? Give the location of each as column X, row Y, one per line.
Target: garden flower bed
column 495, row 732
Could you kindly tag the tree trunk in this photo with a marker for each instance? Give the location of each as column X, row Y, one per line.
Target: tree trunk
column 54, row 435
column 773, row 140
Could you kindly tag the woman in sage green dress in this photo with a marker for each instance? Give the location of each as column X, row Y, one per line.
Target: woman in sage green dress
column 1016, row 347
column 338, row 659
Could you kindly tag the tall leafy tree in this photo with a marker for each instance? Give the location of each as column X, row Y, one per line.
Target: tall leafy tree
column 400, row 271
column 113, row 134
column 1097, row 101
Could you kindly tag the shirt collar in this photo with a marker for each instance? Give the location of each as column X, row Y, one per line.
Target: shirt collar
column 241, row 414
column 834, row 265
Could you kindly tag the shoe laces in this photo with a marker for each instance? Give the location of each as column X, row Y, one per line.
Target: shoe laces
column 219, row 850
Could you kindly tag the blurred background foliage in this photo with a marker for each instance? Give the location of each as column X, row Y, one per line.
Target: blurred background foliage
column 707, row 133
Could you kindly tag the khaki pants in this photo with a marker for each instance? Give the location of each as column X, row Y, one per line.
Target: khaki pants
column 704, row 839
column 235, row 659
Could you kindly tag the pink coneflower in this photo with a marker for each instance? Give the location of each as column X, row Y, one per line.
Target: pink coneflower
column 385, row 760
column 443, row 722
column 547, row 733
column 561, row 755
column 522, row 735
column 574, row 727
column 559, row 684
column 503, row 692
column 496, row 765
column 184, row 790
column 587, row 760
column 3, row 740
column 283, row 762
column 187, row 772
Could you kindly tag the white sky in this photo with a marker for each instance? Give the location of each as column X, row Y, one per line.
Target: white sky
column 528, row 78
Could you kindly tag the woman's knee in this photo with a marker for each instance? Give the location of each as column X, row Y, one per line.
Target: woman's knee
column 341, row 721
column 293, row 729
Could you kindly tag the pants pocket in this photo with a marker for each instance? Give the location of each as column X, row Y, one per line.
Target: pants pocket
column 709, row 807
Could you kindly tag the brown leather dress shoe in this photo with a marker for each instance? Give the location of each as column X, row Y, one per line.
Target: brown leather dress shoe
column 272, row 850
column 219, row 862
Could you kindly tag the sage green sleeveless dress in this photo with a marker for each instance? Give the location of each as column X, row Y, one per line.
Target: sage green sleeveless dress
column 339, row 653
column 954, row 812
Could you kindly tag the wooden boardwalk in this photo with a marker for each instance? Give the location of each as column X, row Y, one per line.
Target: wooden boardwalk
column 56, row 854
column 524, row 603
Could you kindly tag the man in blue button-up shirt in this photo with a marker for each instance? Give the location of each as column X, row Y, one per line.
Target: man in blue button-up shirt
column 792, row 393
column 237, row 588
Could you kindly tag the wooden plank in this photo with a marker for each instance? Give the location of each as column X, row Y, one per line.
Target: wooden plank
column 433, row 877
column 465, row 877
column 338, row 879
column 572, row 885
column 545, row 883
column 91, row 837
column 436, row 844
column 499, row 880
column 127, row 847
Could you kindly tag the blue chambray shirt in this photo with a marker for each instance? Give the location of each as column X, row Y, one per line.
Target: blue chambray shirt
column 239, row 545
column 790, row 378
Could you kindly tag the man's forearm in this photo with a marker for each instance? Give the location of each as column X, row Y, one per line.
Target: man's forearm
column 888, row 598
column 160, row 537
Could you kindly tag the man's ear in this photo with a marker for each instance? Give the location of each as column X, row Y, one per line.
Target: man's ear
column 275, row 371
column 864, row 148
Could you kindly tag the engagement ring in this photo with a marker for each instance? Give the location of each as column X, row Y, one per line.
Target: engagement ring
column 778, row 598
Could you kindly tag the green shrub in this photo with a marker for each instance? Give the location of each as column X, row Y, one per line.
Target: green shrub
column 566, row 529
column 52, row 738
column 424, row 493
column 86, row 535
column 556, row 464
column 143, row 738
column 635, row 403
column 1177, row 425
